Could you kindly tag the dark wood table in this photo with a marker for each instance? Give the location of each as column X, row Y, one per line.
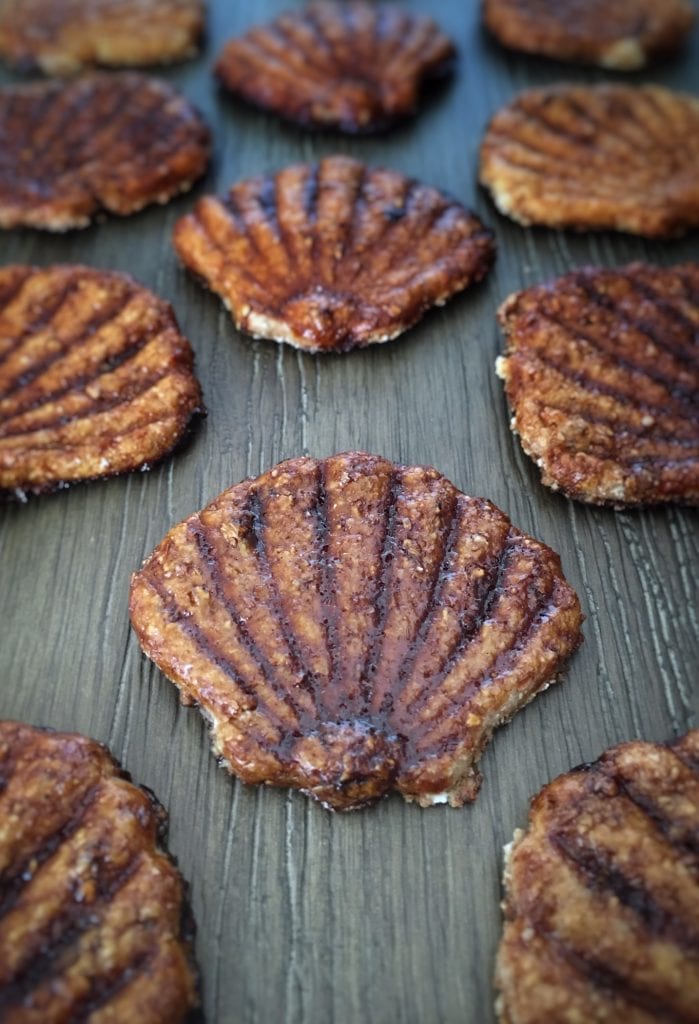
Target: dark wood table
column 389, row 915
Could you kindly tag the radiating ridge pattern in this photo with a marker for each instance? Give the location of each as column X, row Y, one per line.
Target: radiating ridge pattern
column 95, row 377
column 601, row 371
column 350, row 626
column 93, row 925
column 353, row 66
column 602, row 894
column 105, row 141
column 333, row 256
column 604, row 156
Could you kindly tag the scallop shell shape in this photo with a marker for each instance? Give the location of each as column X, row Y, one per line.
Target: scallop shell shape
column 603, row 156
column 615, row 841
column 95, row 377
column 93, row 920
column 63, row 36
column 350, row 626
column 601, row 371
column 353, row 66
column 111, row 141
column 333, row 256
column 622, row 35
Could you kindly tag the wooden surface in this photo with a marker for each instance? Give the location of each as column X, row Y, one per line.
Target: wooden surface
column 389, row 915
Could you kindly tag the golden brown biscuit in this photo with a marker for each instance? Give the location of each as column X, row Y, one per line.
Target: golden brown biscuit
column 602, row 894
column 619, row 34
column 600, row 156
column 333, row 256
column 349, row 626
column 93, row 921
column 355, row 66
column 64, row 36
column 113, row 142
column 601, row 370
column 95, row 377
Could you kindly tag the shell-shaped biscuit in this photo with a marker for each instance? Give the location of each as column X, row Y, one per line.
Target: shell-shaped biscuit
column 335, row 255
column 599, row 156
column 63, row 36
column 621, row 34
column 93, row 919
column 95, row 377
column 350, row 626
column 602, row 894
column 601, row 370
column 354, row 66
column 106, row 141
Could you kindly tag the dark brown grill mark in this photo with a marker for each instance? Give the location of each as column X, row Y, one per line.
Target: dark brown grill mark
column 601, row 876
column 584, row 328
column 65, row 931
column 382, row 587
column 84, row 337
column 351, row 737
column 13, row 883
column 326, row 52
column 596, row 881
column 495, row 572
column 623, row 317
column 103, row 141
column 316, row 257
column 209, row 564
column 110, row 835
column 382, row 700
column 43, row 320
column 67, row 368
column 600, row 162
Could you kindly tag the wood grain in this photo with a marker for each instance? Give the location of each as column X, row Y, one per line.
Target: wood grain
column 389, row 915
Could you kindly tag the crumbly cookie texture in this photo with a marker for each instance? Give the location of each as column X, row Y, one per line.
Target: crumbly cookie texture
column 601, row 371
column 62, row 37
column 93, row 923
column 350, row 627
column 613, row 842
column 606, row 156
column 333, row 256
column 112, row 142
column 95, row 377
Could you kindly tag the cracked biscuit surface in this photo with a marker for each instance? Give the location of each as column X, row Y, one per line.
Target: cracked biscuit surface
column 350, row 626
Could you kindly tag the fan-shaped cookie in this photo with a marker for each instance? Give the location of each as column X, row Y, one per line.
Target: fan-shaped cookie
column 350, row 626
column 113, row 142
column 601, row 371
column 353, row 66
column 621, row 34
column 602, row 156
column 333, row 256
column 63, row 36
column 602, row 894
column 95, row 377
column 93, row 923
